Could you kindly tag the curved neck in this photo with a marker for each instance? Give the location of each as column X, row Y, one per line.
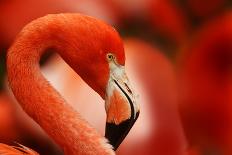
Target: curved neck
column 39, row 99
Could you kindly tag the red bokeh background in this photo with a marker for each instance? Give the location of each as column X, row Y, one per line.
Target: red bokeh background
column 179, row 61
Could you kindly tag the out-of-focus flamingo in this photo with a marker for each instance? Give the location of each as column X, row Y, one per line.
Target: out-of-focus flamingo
column 162, row 17
column 204, row 9
column 206, row 86
column 168, row 20
column 105, row 74
column 7, row 121
column 12, row 21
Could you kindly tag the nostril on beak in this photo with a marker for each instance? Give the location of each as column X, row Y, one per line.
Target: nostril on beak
column 128, row 89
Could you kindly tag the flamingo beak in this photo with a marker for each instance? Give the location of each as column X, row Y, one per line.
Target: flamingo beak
column 121, row 107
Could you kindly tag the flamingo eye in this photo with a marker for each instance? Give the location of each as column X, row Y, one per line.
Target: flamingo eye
column 110, row 57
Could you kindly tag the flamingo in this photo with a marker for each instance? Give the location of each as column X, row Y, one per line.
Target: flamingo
column 202, row 9
column 7, row 122
column 11, row 21
column 169, row 19
column 206, row 86
column 95, row 51
column 27, row 131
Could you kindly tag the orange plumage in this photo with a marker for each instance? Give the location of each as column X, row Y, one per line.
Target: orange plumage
column 83, row 42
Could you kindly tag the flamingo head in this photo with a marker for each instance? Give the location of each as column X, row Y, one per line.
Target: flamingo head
column 100, row 62
column 121, row 107
column 120, row 103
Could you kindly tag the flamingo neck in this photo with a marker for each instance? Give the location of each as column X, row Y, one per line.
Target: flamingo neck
column 39, row 99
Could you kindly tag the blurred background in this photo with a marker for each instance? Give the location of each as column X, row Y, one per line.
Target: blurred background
column 179, row 60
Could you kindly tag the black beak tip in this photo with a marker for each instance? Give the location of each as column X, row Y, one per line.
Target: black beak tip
column 117, row 133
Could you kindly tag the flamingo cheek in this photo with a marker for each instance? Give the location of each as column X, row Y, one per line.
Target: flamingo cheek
column 118, row 110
